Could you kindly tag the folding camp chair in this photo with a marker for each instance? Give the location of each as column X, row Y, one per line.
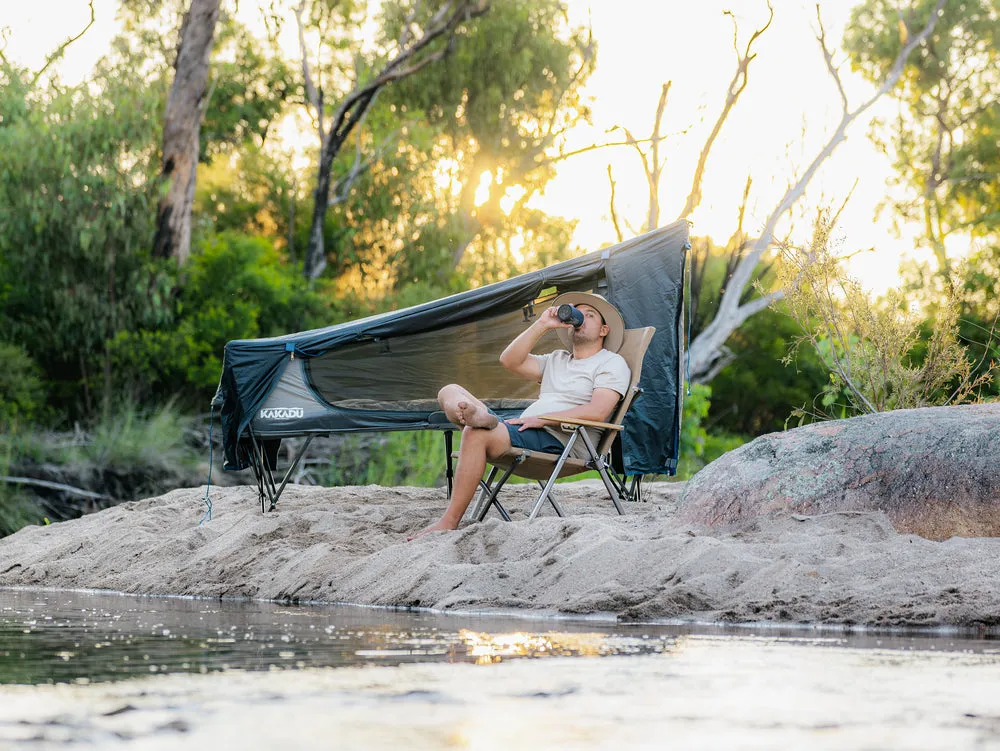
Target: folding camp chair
column 547, row 468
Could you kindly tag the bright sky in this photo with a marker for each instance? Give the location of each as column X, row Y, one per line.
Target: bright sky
column 784, row 117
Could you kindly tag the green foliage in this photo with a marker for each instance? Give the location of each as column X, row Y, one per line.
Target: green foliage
column 75, row 222
column 127, row 436
column 415, row 459
column 698, row 446
column 248, row 88
column 761, row 388
column 22, row 393
column 16, row 509
column 500, row 125
column 236, row 287
column 249, row 192
column 756, row 392
column 972, row 290
column 945, row 140
column 127, row 450
column 712, row 267
column 531, row 58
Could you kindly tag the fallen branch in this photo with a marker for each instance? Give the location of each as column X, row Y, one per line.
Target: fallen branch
column 55, row 486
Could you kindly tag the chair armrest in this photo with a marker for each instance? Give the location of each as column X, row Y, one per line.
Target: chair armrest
column 577, row 421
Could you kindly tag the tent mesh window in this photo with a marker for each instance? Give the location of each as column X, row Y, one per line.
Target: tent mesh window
column 353, row 377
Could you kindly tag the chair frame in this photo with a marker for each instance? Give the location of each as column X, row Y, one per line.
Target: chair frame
column 619, row 488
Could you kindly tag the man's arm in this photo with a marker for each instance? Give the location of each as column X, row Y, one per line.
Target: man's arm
column 598, row 409
column 517, row 356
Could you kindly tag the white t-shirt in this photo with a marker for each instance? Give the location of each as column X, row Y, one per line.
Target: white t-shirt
column 568, row 382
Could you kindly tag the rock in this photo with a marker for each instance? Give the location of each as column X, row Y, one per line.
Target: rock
column 934, row 472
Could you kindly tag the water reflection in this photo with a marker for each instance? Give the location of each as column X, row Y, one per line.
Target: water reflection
column 57, row 636
column 53, row 637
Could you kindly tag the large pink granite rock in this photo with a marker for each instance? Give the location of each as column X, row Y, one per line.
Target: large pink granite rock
column 934, row 472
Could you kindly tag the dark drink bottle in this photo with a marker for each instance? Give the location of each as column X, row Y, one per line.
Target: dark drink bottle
column 568, row 314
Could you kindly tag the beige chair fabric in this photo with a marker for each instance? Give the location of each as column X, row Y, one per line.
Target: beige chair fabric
column 549, row 467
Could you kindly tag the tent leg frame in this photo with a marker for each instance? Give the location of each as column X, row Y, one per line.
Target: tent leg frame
column 290, row 470
column 265, row 479
column 449, row 468
column 266, row 488
column 635, row 492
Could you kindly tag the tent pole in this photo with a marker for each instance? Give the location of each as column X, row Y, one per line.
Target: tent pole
column 268, row 484
column 252, row 458
column 284, row 481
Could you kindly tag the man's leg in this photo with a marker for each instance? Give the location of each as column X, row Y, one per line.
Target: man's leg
column 462, row 408
column 477, row 445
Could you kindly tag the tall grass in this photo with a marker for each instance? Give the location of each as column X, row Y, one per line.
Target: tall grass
column 144, row 451
column 409, row 458
column 412, row 458
column 16, row 508
column 127, row 436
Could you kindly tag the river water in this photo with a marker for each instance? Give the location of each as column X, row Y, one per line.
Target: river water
column 112, row 671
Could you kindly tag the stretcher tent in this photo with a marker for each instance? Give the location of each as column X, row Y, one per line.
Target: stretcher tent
column 383, row 372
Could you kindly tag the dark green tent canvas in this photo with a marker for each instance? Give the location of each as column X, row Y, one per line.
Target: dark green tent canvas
column 383, row 372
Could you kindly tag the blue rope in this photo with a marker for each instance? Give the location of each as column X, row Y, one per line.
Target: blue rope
column 208, row 485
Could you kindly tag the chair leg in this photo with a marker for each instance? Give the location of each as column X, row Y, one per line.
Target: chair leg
column 629, row 489
column 484, row 492
column 602, row 469
column 491, row 500
column 543, row 496
column 552, row 499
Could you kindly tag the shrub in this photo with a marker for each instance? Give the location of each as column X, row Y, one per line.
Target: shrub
column 16, row 507
column 874, row 350
column 22, row 394
column 236, row 287
column 698, row 446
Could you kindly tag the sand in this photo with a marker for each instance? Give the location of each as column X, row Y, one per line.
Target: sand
column 349, row 545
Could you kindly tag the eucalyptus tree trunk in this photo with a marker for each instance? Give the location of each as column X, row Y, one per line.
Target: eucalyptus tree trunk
column 181, row 131
column 412, row 53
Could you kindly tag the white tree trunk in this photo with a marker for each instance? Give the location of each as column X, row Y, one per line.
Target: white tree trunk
column 708, row 348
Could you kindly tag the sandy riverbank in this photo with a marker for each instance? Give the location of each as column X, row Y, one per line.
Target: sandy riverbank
column 349, row 545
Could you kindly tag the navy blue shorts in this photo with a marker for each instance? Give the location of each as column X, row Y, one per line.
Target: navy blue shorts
column 535, row 439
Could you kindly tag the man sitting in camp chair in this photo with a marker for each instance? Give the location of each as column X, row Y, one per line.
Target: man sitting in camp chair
column 584, row 381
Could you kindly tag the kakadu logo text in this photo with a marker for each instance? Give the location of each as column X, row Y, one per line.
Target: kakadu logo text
column 281, row 413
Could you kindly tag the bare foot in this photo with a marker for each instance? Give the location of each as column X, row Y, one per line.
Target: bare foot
column 435, row 527
column 476, row 418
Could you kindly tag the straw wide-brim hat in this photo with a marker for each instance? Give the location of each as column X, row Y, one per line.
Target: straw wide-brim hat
column 613, row 341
